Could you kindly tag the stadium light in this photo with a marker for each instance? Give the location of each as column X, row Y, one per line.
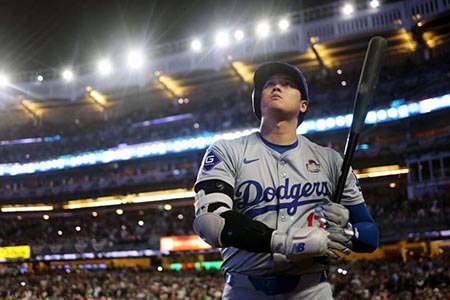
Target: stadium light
column 15, row 208
column 381, row 115
column 392, row 113
column 340, row 121
column 196, row 45
column 331, row 122
column 374, row 3
column 283, row 25
column 262, row 29
column 104, row 67
column 164, row 195
column 222, row 39
column 321, row 124
column 135, row 59
column 239, row 35
column 403, row 111
column 4, row 80
column 67, row 75
column 388, row 170
column 371, row 117
column 348, row 119
column 348, row 9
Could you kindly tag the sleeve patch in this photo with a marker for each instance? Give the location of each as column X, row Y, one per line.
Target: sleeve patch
column 211, row 160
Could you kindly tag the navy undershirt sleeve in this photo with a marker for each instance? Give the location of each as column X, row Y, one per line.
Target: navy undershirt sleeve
column 360, row 218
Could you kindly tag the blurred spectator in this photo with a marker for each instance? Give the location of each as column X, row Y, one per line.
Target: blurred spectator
column 418, row 278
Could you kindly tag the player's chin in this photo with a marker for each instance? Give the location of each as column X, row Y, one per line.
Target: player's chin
column 275, row 109
column 281, row 114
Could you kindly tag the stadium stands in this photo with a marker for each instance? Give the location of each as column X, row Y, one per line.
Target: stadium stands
column 409, row 82
column 419, row 278
column 411, row 209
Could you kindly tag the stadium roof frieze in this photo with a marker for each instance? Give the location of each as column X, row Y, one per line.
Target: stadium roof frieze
column 317, row 25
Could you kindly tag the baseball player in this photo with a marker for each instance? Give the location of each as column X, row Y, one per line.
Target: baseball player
column 264, row 199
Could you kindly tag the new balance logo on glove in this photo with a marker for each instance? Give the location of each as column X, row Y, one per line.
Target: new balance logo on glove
column 298, row 247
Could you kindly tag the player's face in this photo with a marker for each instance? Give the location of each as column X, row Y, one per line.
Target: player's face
column 281, row 99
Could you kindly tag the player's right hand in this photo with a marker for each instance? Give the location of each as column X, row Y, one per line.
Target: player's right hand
column 298, row 243
column 332, row 214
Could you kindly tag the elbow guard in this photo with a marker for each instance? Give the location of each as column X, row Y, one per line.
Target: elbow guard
column 209, row 227
column 208, row 223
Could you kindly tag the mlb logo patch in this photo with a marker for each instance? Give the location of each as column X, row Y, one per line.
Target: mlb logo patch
column 211, row 160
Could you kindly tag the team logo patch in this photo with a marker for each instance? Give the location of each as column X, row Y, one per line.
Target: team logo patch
column 312, row 166
column 211, row 161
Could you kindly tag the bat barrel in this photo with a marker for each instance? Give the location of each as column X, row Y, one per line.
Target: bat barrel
column 368, row 81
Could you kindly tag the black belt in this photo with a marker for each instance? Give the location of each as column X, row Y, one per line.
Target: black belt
column 278, row 284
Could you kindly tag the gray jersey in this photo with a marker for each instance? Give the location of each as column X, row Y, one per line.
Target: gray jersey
column 280, row 190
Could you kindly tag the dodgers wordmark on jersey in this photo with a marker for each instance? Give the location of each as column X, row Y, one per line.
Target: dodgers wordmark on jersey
column 280, row 190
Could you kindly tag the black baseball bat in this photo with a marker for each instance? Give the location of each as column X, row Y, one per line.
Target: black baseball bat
column 368, row 81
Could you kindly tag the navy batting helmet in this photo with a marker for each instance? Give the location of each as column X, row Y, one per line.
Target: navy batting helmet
column 266, row 70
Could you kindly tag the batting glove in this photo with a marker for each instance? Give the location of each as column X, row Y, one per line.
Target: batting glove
column 341, row 238
column 332, row 214
column 301, row 242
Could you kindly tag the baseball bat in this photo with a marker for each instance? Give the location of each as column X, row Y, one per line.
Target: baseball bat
column 368, row 81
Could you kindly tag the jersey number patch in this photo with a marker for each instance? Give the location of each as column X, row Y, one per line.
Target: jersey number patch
column 313, row 217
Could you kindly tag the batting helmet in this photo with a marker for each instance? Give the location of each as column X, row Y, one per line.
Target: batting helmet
column 266, row 70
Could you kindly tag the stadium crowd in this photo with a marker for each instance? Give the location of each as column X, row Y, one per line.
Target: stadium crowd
column 106, row 230
column 409, row 81
column 155, row 174
column 119, row 284
column 417, row 278
column 100, row 231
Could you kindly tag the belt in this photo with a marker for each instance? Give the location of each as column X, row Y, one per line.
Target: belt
column 279, row 284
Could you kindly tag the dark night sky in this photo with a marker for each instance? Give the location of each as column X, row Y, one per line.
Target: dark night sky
column 44, row 34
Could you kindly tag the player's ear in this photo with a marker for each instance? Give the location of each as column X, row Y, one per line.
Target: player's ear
column 303, row 106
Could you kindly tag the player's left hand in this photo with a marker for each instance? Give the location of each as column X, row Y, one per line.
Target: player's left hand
column 332, row 214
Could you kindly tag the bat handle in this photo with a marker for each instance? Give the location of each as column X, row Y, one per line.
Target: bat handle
column 349, row 151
